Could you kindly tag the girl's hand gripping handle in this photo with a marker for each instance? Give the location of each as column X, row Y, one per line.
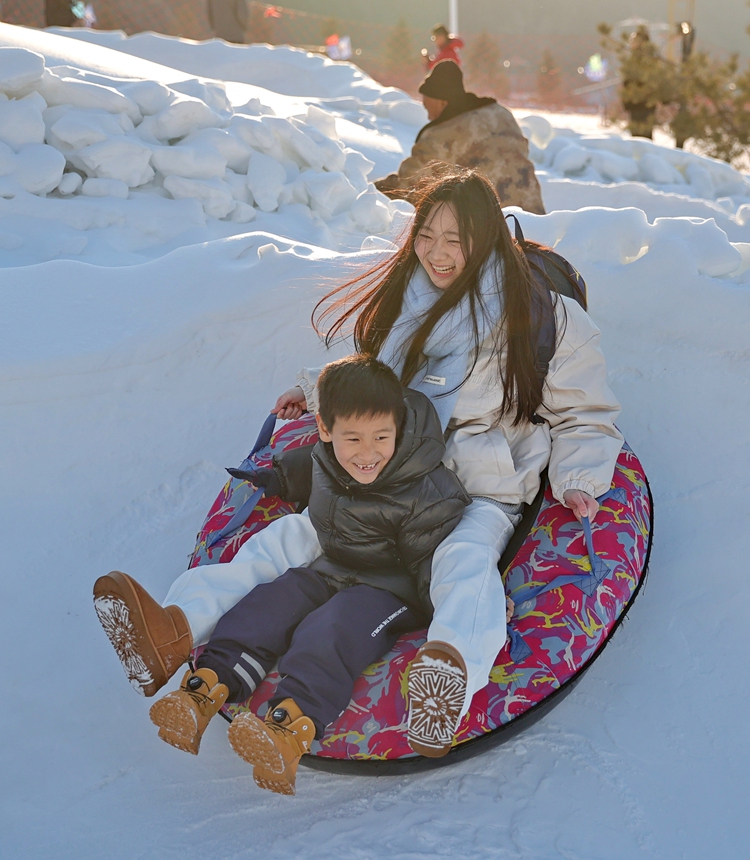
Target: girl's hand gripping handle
column 292, row 404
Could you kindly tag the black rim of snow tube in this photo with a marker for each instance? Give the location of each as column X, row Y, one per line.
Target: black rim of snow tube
column 507, row 731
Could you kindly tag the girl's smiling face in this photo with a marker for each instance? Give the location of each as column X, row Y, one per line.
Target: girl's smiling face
column 438, row 246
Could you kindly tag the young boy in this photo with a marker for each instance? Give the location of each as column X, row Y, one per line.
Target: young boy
column 381, row 502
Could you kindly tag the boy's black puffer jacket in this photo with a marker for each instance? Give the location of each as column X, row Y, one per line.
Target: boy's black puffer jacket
column 383, row 534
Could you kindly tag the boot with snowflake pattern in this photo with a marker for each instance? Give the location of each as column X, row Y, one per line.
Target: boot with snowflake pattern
column 182, row 715
column 152, row 642
column 273, row 746
column 437, row 689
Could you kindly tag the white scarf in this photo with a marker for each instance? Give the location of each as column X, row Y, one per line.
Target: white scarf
column 450, row 343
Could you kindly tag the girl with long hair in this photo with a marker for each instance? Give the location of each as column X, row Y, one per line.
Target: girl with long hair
column 455, row 312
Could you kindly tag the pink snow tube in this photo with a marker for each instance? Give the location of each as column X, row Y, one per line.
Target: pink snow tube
column 569, row 602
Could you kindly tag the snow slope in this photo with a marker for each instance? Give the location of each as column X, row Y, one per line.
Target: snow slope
column 136, row 364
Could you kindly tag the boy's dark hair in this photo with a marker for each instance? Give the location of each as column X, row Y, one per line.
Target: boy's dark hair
column 359, row 385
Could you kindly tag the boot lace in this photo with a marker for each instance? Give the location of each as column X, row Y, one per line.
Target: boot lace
column 292, row 737
column 201, row 699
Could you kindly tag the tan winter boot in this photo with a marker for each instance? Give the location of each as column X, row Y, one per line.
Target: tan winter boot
column 273, row 746
column 437, row 689
column 152, row 642
column 182, row 716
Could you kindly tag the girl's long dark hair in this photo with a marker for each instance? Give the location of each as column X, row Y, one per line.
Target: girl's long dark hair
column 374, row 299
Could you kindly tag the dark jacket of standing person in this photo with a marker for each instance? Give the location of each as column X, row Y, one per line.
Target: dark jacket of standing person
column 469, row 131
column 228, row 19
column 643, row 84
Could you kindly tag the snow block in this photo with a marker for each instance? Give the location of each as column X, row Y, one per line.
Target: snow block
column 332, row 151
column 151, row 97
column 699, row 178
column 597, row 235
column 357, row 168
column 330, row 193
column 614, row 167
column 242, row 213
column 20, row 70
column 322, row 120
column 230, row 147
column 371, row 212
column 571, row 158
column 39, row 168
column 84, row 94
column 238, row 186
column 215, row 196
column 705, row 243
column 76, row 129
column 21, row 122
column 252, row 132
column 537, row 129
column 70, row 183
column 196, row 160
column 122, row 158
column 653, row 168
column 265, row 179
column 296, row 143
column 184, row 115
column 212, row 93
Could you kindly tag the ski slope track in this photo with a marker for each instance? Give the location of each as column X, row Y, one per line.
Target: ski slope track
column 170, row 212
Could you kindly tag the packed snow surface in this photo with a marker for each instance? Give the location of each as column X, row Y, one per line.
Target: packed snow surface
column 163, row 238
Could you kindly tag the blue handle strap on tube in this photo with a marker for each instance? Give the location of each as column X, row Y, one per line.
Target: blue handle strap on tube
column 599, row 568
column 587, row 582
column 264, row 437
column 519, row 650
column 240, row 515
column 248, row 506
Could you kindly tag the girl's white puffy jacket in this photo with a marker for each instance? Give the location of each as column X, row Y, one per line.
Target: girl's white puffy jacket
column 579, row 443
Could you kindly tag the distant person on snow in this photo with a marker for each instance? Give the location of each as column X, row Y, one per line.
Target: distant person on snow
column 447, row 46
column 380, row 502
column 467, row 131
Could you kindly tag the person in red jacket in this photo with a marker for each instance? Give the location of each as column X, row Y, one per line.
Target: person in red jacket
column 447, row 47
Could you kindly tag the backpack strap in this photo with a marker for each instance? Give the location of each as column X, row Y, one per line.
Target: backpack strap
column 553, row 273
column 516, row 228
column 542, row 311
column 543, row 322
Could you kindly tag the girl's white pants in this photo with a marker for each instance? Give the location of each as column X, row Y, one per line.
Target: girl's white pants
column 466, row 589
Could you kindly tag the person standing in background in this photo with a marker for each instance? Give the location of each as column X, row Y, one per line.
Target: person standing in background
column 643, row 84
column 447, row 46
column 468, row 131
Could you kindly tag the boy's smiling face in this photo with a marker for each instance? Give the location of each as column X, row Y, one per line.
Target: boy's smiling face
column 362, row 444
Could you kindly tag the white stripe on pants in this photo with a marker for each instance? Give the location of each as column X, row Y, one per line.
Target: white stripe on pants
column 467, row 591
column 206, row 592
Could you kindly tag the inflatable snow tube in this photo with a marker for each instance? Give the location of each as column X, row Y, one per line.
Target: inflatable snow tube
column 572, row 590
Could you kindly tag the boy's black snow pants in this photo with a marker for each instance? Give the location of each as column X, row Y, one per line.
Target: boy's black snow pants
column 323, row 636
